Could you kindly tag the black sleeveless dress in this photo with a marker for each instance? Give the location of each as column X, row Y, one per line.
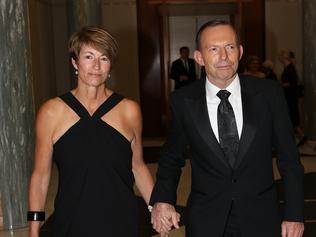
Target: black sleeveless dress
column 95, row 194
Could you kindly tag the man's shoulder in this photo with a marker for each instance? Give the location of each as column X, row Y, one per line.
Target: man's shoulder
column 192, row 90
column 177, row 61
column 257, row 84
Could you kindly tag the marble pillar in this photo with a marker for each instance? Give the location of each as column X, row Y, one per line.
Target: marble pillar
column 16, row 112
column 309, row 62
column 82, row 13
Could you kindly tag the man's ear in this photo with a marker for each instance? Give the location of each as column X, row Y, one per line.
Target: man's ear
column 74, row 63
column 198, row 57
column 241, row 51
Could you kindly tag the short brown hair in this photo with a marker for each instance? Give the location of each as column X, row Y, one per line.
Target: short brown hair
column 214, row 23
column 95, row 37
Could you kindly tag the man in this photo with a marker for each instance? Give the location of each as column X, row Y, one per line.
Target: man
column 231, row 140
column 183, row 69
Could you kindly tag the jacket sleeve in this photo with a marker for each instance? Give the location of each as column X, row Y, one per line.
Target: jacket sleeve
column 174, row 72
column 171, row 162
column 288, row 161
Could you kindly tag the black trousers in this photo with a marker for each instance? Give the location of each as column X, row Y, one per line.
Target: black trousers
column 232, row 228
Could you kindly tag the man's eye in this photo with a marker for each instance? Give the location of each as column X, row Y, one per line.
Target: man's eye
column 213, row 49
column 230, row 47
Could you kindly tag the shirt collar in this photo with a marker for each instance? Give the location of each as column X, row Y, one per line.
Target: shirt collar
column 212, row 90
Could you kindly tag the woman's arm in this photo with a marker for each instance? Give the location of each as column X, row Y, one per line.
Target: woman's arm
column 143, row 178
column 42, row 164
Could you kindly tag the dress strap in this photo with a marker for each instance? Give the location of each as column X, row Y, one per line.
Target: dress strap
column 75, row 105
column 111, row 102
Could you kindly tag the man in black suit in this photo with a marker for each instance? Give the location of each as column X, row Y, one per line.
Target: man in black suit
column 183, row 69
column 232, row 124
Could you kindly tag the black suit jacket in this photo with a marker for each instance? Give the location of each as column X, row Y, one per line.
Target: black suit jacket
column 215, row 184
column 178, row 69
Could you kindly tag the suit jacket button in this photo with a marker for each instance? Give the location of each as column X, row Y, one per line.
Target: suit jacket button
column 234, row 180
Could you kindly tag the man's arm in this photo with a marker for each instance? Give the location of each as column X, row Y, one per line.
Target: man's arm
column 174, row 72
column 171, row 161
column 290, row 167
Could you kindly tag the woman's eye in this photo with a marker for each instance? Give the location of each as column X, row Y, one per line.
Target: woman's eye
column 88, row 57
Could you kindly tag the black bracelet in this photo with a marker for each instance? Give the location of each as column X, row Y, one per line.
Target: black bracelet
column 35, row 216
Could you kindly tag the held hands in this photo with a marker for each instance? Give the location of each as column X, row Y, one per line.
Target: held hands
column 163, row 217
column 292, row 229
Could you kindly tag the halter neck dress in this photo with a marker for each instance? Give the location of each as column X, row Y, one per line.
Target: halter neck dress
column 95, row 194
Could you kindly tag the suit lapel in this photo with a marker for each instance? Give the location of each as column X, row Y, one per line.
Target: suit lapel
column 198, row 111
column 250, row 120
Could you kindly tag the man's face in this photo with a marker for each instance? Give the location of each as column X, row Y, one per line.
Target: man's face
column 219, row 53
column 184, row 53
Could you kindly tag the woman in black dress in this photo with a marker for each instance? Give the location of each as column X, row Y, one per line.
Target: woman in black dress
column 94, row 136
column 289, row 81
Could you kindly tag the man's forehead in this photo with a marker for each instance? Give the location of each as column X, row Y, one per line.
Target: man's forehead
column 219, row 34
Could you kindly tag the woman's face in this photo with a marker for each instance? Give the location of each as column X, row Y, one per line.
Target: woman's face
column 93, row 66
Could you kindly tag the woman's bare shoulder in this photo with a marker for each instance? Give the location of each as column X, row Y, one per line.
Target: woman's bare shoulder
column 52, row 107
column 51, row 111
column 130, row 109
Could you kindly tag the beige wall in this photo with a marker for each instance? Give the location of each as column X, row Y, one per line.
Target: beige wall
column 284, row 30
column 42, row 51
column 61, row 57
column 120, row 18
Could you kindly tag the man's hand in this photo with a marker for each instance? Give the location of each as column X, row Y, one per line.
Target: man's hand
column 292, row 229
column 163, row 217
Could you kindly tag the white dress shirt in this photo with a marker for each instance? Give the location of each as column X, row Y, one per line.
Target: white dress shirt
column 234, row 99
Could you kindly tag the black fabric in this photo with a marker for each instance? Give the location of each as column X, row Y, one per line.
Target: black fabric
column 266, row 125
column 232, row 228
column 289, row 77
column 95, row 194
column 227, row 127
column 178, row 69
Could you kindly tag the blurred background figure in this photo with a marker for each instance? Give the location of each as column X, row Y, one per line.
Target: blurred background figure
column 289, row 79
column 253, row 67
column 183, row 69
column 267, row 68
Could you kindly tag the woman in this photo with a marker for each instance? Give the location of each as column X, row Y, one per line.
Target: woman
column 289, row 79
column 94, row 136
column 253, row 67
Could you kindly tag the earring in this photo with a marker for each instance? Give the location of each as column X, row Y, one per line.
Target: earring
column 109, row 76
column 76, row 72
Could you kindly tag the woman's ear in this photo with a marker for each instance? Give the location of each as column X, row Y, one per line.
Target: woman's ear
column 74, row 63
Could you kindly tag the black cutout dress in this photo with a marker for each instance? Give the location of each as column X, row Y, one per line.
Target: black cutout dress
column 95, row 193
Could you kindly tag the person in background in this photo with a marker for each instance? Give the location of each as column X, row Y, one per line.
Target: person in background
column 267, row 68
column 231, row 122
column 183, row 69
column 289, row 79
column 94, row 136
column 253, row 67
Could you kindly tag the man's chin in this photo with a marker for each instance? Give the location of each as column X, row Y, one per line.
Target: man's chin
column 226, row 77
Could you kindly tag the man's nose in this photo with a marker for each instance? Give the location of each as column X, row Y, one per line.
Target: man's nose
column 223, row 53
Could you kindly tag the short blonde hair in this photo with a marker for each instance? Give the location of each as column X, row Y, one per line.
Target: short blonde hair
column 95, row 37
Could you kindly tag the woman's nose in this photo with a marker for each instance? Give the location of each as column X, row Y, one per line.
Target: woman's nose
column 97, row 63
